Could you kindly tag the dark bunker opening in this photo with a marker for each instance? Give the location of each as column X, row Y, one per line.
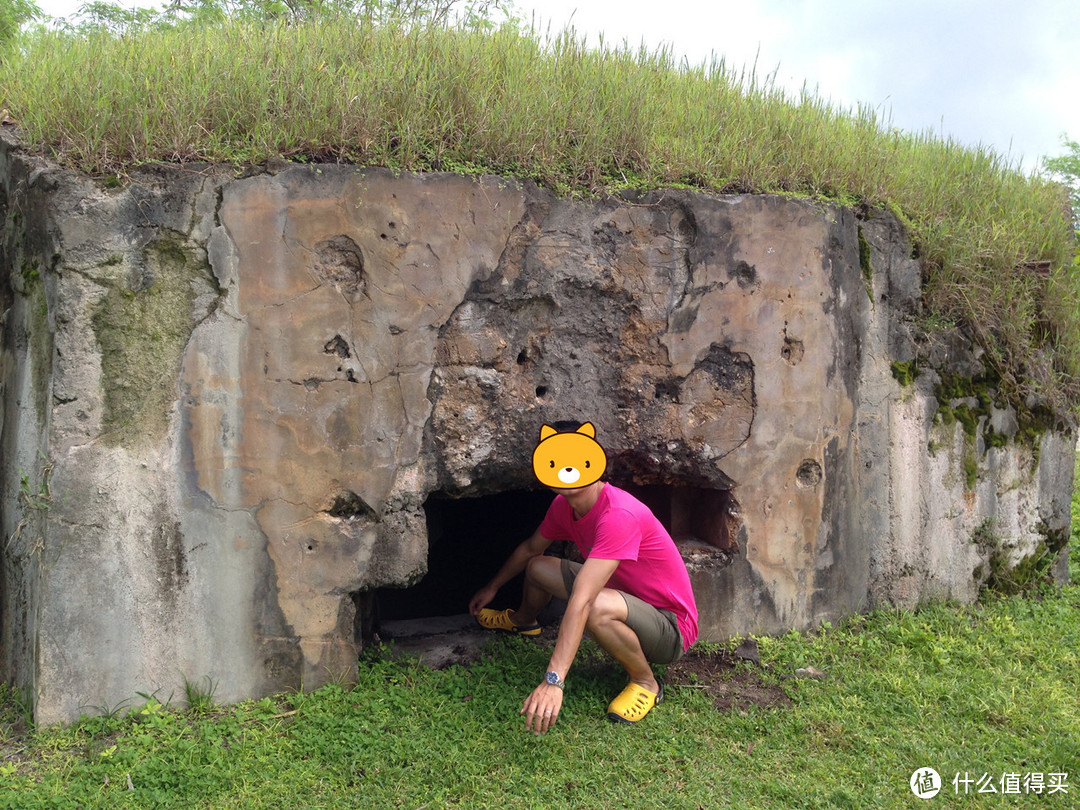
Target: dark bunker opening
column 697, row 518
column 470, row 538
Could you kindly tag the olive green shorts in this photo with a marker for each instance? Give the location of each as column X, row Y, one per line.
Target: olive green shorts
column 656, row 629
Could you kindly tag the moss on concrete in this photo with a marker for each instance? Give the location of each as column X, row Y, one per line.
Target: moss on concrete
column 993, row 438
column 1033, row 424
column 971, row 468
column 29, row 273
column 142, row 328
column 967, row 417
column 983, row 390
column 946, row 416
column 949, row 412
column 955, row 386
column 904, row 372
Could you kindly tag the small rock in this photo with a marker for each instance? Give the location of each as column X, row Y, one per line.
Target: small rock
column 748, row 651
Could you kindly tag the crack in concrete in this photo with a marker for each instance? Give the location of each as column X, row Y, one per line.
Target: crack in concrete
column 288, row 301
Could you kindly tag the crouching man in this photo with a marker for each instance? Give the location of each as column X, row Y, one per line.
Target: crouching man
column 632, row 593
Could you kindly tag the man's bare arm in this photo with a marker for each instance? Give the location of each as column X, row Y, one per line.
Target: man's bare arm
column 534, row 546
column 542, row 706
column 588, row 583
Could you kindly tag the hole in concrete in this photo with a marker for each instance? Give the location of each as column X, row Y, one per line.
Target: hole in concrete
column 347, row 505
column 337, row 345
column 667, row 390
column 340, row 261
column 792, row 351
column 469, row 538
column 809, row 474
column 541, row 391
column 745, row 275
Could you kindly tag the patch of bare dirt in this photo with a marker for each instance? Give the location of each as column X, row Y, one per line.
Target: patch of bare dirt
column 733, row 685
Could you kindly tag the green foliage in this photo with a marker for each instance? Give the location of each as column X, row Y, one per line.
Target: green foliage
column 1066, row 168
column 200, row 694
column 36, row 496
column 1074, row 528
column 16, row 712
column 102, row 16
column 431, row 84
column 13, row 15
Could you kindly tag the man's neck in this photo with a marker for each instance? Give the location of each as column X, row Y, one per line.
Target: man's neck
column 584, row 499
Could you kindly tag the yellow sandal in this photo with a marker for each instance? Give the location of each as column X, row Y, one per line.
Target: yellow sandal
column 500, row 620
column 633, row 703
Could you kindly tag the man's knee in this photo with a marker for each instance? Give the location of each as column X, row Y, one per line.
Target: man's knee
column 546, row 573
column 609, row 606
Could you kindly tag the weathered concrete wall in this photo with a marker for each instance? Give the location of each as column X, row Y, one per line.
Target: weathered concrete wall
column 226, row 400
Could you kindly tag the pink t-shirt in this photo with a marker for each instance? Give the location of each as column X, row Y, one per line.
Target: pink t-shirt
column 620, row 527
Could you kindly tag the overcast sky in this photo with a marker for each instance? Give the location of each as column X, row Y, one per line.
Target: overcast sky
column 1001, row 73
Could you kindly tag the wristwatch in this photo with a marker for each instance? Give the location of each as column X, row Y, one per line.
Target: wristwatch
column 554, row 679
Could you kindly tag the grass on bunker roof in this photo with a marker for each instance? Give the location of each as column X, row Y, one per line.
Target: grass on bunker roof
column 987, row 689
column 996, row 245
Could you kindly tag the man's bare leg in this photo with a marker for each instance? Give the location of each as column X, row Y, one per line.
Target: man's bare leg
column 608, row 627
column 543, row 580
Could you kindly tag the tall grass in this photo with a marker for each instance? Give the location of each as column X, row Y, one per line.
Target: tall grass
column 996, row 244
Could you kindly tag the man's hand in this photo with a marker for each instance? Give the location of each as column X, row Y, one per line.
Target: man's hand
column 481, row 599
column 536, row 545
column 541, row 708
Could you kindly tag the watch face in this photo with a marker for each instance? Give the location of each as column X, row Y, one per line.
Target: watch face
column 553, row 678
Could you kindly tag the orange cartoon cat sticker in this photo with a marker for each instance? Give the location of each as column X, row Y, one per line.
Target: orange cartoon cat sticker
column 569, row 460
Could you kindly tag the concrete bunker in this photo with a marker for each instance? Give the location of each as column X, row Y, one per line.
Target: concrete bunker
column 364, row 360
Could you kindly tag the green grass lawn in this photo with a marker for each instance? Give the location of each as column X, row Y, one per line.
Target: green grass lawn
column 988, row 689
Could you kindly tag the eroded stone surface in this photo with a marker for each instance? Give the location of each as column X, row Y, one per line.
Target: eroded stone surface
column 336, row 345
